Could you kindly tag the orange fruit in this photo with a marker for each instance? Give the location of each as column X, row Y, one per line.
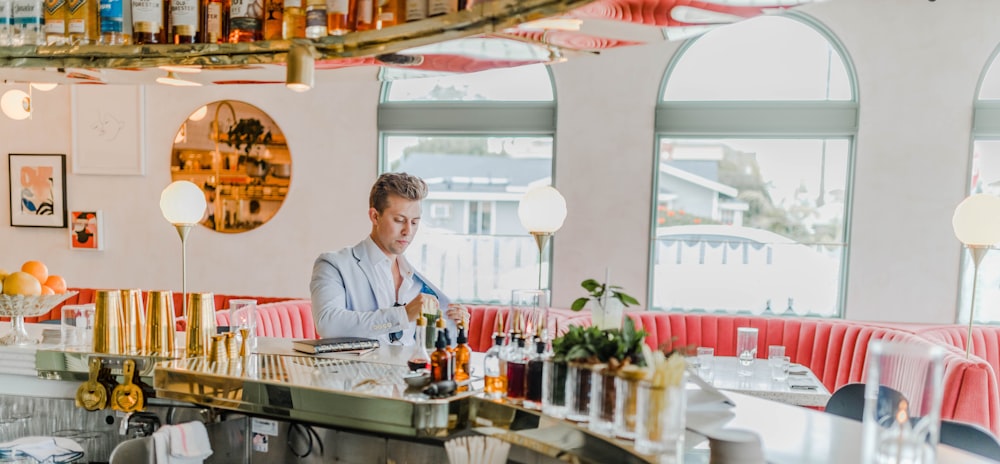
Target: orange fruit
column 47, row 291
column 37, row 269
column 56, row 283
column 21, row 283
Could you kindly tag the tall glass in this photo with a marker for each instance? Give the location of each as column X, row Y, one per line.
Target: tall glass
column 77, row 329
column 903, row 394
column 746, row 349
column 660, row 425
column 578, row 392
column 627, row 401
column 602, row 400
column 532, row 306
column 554, row 388
column 243, row 315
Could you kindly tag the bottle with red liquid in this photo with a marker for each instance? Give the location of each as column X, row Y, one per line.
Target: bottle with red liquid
column 420, row 359
column 517, row 364
column 441, row 361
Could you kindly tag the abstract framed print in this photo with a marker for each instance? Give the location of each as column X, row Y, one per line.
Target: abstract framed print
column 37, row 190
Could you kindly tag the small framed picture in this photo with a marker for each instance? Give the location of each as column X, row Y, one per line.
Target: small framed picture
column 86, row 230
column 37, row 190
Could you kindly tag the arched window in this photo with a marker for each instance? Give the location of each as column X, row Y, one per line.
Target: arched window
column 984, row 177
column 755, row 128
column 479, row 141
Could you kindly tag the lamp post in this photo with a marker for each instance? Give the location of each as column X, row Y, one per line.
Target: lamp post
column 542, row 211
column 977, row 225
column 183, row 205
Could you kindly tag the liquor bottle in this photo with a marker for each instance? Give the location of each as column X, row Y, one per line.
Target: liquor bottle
column 494, row 374
column 214, row 21
column 462, row 356
column 184, row 19
column 440, row 7
column 293, row 23
column 441, row 361
column 420, row 359
column 315, row 19
column 54, row 19
column 415, row 10
column 5, row 22
column 112, row 14
column 147, row 22
column 533, row 381
column 386, row 13
column 273, row 22
column 339, row 16
column 26, row 16
column 246, row 20
column 516, row 367
column 364, row 15
column 83, row 21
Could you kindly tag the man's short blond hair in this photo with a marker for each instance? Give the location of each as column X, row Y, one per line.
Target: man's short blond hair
column 396, row 183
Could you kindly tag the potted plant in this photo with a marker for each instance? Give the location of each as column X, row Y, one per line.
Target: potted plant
column 248, row 134
column 606, row 303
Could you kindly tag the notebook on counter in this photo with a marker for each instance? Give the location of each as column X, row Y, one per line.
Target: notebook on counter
column 355, row 345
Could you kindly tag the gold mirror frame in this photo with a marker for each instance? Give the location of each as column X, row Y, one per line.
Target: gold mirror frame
column 237, row 154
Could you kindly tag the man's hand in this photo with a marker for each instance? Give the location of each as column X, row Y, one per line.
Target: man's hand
column 421, row 304
column 458, row 313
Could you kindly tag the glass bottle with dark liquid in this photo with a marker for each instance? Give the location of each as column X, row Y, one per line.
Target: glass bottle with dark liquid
column 533, row 383
column 420, row 359
column 441, row 361
column 516, row 367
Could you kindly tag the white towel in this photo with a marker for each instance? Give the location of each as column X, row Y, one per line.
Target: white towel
column 182, row 444
column 43, row 449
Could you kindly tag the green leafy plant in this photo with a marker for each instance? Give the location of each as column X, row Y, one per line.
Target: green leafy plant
column 596, row 291
column 246, row 134
column 591, row 345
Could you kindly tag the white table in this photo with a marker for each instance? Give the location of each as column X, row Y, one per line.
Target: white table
column 760, row 384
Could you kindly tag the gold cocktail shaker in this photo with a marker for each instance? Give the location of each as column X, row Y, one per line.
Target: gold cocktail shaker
column 135, row 320
column 160, row 325
column 200, row 323
column 109, row 323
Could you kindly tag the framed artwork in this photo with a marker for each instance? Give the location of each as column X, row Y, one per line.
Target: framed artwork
column 86, row 230
column 37, row 190
column 108, row 129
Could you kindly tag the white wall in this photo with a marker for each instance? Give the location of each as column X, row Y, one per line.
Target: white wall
column 917, row 63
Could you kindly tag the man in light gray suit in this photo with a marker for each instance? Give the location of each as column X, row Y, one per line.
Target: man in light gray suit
column 370, row 290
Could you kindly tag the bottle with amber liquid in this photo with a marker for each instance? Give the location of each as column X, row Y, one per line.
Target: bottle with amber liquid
column 420, row 359
column 364, row 15
column 293, row 22
column 441, row 361
column 273, row 22
column 517, row 365
column 184, row 20
column 246, row 20
column 494, row 374
column 315, row 19
column 387, row 13
column 339, row 16
column 462, row 356
column 214, row 25
column 54, row 21
column 147, row 22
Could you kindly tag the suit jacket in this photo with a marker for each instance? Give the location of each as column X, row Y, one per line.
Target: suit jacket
column 344, row 302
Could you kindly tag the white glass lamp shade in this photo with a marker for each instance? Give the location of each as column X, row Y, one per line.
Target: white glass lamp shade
column 977, row 220
column 16, row 104
column 542, row 210
column 182, row 202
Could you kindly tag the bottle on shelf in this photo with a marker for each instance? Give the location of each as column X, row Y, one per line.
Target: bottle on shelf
column 114, row 16
column 462, row 356
column 184, row 19
column 54, row 21
column 386, row 13
column 147, row 22
column 441, row 361
column 494, row 370
column 364, row 15
column 315, row 19
column 420, row 359
column 5, row 22
column 414, row 10
column 214, row 21
column 441, row 7
column 293, row 20
column 339, row 16
column 517, row 362
column 273, row 19
column 83, row 22
column 533, row 380
column 26, row 17
column 246, row 21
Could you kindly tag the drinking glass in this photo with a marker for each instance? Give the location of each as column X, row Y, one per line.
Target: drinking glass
column 779, row 368
column 660, row 424
column 578, row 392
column 627, row 401
column 903, row 394
column 602, row 400
column 775, row 350
column 77, row 329
column 243, row 315
column 746, row 349
column 554, row 388
column 706, row 362
column 532, row 306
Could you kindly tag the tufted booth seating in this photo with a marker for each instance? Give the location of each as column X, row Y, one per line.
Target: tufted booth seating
column 287, row 319
column 89, row 295
column 836, row 351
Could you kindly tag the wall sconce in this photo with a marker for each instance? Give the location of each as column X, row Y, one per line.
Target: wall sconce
column 183, row 205
column 542, row 211
column 977, row 225
column 16, row 104
column 300, row 68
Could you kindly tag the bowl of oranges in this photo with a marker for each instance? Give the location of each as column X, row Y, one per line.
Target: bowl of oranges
column 32, row 291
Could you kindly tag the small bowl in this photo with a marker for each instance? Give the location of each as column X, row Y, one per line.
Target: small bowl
column 417, row 379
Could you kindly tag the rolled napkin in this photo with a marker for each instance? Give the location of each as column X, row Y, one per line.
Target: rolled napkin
column 42, row 449
column 185, row 443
